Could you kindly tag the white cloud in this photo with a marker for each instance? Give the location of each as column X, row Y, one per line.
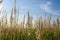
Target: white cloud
column 47, row 7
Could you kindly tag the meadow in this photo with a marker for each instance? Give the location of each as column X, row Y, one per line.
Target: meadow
column 28, row 29
column 39, row 30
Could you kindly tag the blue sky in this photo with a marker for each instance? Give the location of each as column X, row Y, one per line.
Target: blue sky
column 35, row 7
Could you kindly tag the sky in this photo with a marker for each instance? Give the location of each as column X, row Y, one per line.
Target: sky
column 35, row 7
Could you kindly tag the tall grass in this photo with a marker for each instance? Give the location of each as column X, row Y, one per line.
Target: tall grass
column 40, row 29
column 29, row 30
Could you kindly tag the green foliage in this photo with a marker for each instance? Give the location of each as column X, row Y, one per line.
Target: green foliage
column 15, row 34
column 47, row 35
column 32, row 35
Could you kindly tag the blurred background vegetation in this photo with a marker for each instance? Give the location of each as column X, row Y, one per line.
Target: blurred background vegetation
column 27, row 29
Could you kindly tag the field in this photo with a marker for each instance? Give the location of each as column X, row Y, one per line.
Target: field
column 39, row 30
column 28, row 29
